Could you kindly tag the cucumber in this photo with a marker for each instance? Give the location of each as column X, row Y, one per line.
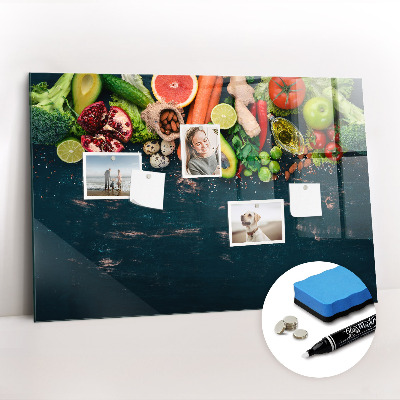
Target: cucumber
column 125, row 90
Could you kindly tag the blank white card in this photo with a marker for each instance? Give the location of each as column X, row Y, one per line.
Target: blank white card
column 147, row 189
column 305, row 199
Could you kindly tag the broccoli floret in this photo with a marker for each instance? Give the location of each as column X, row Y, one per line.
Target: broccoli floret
column 352, row 137
column 49, row 127
column 50, row 118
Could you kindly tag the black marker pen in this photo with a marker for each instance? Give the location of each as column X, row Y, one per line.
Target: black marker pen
column 343, row 337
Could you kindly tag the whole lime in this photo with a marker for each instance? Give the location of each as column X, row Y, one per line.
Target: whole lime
column 264, row 174
column 247, row 172
column 276, row 153
column 70, row 150
column 274, row 167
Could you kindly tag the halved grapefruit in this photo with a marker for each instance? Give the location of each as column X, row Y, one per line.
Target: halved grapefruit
column 181, row 89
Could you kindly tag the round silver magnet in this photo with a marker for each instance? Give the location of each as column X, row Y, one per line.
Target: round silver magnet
column 291, row 322
column 300, row 333
column 280, row 327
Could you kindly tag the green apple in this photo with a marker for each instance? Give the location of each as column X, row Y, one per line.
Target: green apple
column 318, row 113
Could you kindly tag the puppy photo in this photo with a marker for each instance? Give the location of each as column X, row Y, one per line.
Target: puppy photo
column 256, row 222
column 253, row 232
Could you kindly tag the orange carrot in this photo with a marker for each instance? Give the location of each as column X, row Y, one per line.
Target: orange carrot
column 215, row 96
column 178, row 152
column 202, row 99
column 190, row 113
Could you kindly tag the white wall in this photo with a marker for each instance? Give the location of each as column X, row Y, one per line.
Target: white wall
column 331, row 38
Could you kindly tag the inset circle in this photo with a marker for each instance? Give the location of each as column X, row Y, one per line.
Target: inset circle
column 288, row 349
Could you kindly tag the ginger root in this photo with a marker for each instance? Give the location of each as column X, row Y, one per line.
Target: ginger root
column 241, row 90
column 243, row 94
column 246, row 119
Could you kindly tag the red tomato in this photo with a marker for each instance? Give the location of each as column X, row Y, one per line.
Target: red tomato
column 319, row 140
column 287, row 93
column 333, row 133
column 333, row 151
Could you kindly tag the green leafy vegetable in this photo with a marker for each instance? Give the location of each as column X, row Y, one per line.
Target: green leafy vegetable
column 352, row 137
column 125, row 90
column 137, row 81
column 141, row 133
column 246, row 148
column 229, row 100
column 351, row 113
column 249, row 79
column 343, row 85
column 77, row 130
column 235, row 129
column 319, row 159
column 40, row 88
column 316, row 86
column 261, row 90
column 51, row 119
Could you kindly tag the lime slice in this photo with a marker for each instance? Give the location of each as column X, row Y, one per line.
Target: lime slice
column 70, row 150
column 223, row 115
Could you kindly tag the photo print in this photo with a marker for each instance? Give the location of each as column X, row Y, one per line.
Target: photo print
column 108, row 175
column 256, row 222
column 201, row 151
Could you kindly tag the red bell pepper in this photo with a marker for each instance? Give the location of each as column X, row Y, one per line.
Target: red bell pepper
column 253, row 109
column 262, row 120
column 239, row 169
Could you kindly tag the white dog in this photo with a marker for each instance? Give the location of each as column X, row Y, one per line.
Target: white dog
column 253, row 232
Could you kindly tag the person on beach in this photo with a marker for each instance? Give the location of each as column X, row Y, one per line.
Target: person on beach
column 119, row 182
column 107, row 179
column 112, row 185
column 201, row 158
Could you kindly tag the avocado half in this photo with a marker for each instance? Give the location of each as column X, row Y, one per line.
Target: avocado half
column 229, row 161
column 85, row 90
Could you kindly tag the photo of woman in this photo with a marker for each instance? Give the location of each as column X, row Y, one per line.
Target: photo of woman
column 201, row 152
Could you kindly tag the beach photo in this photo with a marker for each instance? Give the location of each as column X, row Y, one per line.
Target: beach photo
column 256, row 222
column 201, row 151
column 108, row 175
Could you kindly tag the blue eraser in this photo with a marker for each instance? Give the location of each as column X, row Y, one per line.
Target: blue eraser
column 332, row 294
